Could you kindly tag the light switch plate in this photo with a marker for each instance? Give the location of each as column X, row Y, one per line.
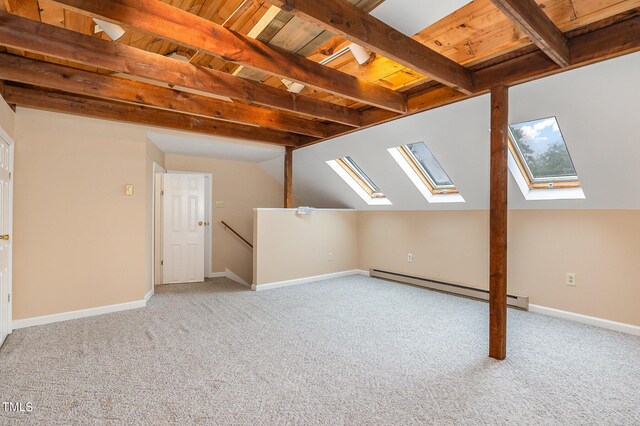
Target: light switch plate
column 219, row 204
column 128, row 190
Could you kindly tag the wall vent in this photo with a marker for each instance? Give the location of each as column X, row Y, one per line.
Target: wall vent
column 521, row 302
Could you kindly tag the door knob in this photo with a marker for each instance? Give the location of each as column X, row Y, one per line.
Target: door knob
column 200, row 223
column 4, row 237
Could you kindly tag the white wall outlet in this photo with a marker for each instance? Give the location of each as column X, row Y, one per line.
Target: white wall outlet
column 330, row 256
column 219, row 204
column 571, row 279
column 410, row 257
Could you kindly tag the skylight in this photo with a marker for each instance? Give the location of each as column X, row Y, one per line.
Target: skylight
column 539, row 160
column 357, row 179
column 426, row 173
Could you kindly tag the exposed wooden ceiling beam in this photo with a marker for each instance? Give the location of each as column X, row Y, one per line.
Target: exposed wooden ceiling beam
column 609, row 42
column 182, row 27
column 618, row 39
column 37, row 73
column 25, row 8
column 540, row 29
column 98, row 108
column 346, row 20
column 35, row 37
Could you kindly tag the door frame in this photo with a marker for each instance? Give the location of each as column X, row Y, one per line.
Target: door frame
column 156, row 169
column 208, row 212
column 8, row 139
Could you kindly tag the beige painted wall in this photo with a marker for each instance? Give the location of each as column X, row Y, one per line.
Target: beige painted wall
column 291, row 246
column 447, row 246
column 242, row 186
column 79, row 242
column 601, row 246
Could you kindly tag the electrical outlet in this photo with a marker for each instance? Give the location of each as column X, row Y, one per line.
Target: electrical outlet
column 571, row 279
column 330, row 256
column 410, row 257
column 219, row 204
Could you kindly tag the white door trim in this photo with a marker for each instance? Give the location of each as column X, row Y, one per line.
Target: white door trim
column 9, row 140
column 157, row 168
column 11, row 153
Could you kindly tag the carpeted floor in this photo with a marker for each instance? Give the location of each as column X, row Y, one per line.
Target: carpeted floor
column 349, row 351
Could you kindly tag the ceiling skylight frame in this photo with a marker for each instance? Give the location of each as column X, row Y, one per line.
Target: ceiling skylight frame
column 542, row 188
column 422, row 178
column 550, row 182
column 426, row 174
column 358, row 181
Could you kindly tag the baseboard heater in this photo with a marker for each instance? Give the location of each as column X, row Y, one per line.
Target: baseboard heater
column 521, row 302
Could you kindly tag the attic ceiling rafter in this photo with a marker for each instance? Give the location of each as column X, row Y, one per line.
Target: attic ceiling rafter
column 117, row 111
column 616, row 39
column 35, row 37
column 346, row 20
column 192, row 31
column 540, row 29
column 58, row 77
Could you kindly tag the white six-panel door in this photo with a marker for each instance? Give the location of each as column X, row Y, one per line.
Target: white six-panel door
column 5, row 241
column 183, row 230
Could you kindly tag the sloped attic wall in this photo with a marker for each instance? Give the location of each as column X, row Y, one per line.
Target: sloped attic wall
column 597, row 109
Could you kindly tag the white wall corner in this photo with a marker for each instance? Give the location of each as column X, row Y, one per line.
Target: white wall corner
column 82, row 313
column 585, row 319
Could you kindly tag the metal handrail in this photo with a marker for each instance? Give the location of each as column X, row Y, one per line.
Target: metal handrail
column 226, row 226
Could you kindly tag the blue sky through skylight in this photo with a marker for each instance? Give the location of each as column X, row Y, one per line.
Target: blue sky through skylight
column 543, row 148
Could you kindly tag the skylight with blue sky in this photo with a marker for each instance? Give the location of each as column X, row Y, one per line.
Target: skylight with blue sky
column 540, row 162
column 542, row 148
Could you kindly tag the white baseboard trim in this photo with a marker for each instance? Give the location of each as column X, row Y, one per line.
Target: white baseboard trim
column 82, row 313
column 363, row 272
column 234, row 277
column 230, row 275
column 585, row 319
column 288, row 283
column 148, row 295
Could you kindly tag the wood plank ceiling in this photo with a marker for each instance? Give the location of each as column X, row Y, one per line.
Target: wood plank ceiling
column 217, row 66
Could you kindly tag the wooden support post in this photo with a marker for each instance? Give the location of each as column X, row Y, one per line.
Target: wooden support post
column 498, row 223
column 288, row 177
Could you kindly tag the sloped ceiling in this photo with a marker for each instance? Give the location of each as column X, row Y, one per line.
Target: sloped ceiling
column 411, row 16
column 597, row 107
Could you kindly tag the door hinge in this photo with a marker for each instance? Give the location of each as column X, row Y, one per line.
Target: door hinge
column 162, row 192
column 9, row 297
column 162, row 263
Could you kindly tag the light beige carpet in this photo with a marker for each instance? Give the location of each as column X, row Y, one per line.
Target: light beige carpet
column 349, row 351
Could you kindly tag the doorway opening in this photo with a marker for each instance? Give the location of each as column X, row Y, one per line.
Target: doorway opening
column 182, row 237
